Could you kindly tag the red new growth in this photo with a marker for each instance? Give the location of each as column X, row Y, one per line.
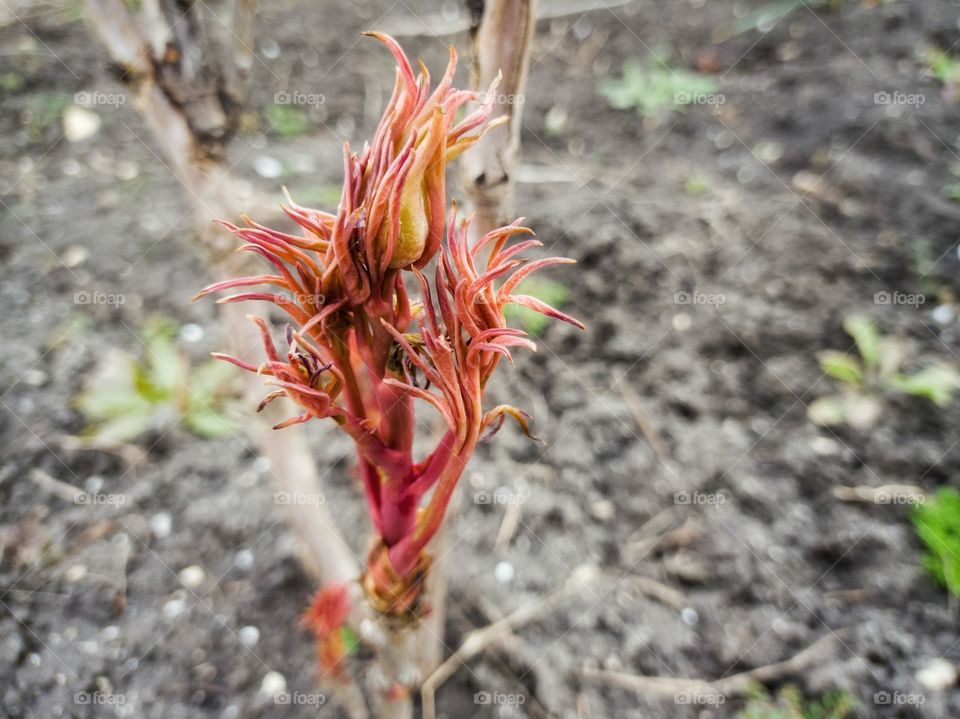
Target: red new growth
column 361, row 348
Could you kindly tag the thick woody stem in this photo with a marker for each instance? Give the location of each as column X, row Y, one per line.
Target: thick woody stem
column 501, row 44
column 211, row 190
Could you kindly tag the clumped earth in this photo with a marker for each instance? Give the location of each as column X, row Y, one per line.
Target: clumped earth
column 778, row 212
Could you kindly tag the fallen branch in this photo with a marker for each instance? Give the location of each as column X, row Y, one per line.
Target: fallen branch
column 886, row 494
column 731, row 686
column 642, row 418
column 478, row 640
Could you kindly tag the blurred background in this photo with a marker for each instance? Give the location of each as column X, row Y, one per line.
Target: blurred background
column 754, row 439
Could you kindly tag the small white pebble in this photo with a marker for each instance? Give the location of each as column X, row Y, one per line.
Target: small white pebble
column 35, row 378
column 249, row 636
column 824, row 446
column 682, row 322
column 191, row 332
column 270, row 48
column 70, row 167
column 268, row 167
column 161, row 524
column 689, row 616
column 938, row 675
column 192, row 576
column 244, row 560
column 503, row 572
column 80, row 124
column 603, row 510
column 110, row 633
column 273, row 683
column 76, row 573
column 174, row 608
column 943, row 314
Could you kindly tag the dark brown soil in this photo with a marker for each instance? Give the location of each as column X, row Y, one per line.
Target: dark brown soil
column 776, row 561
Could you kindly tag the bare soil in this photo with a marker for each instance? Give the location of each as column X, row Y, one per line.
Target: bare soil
column 769, row 561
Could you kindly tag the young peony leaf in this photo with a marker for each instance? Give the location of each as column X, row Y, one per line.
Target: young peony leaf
column 166, row 366
column 101, row 404
column 209, row 380
column 865, row 333
column 861, row 411
column 123, row 429
column 826, row 411
column 207, row 423
column 841, row 366
column 936, row 383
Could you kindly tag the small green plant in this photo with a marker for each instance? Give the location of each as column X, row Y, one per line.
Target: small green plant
column 864, row 379
column 287, row 122
column 789, row 703
column 651, row 87
column 946, row 69
column 937, row 522
column 43, row 110
column 697, row 184
column 129, row 395
column 553, row 293
column 952, row 189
